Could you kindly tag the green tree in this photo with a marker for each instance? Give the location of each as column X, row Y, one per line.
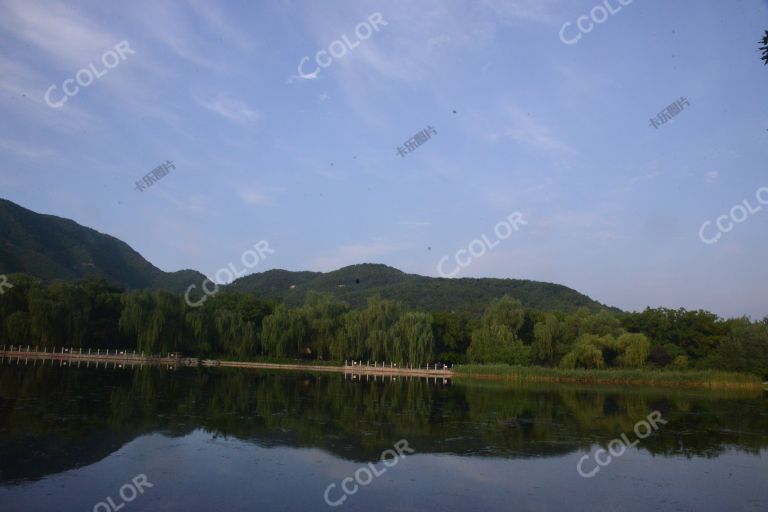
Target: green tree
column 413, row 335
column 325, row 318
column 634, row 348
column 587, row 352
column 496, row 344
column 547, row 333
column 505, row 311
column 284, row 332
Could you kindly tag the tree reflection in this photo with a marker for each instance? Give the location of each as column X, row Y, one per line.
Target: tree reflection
column 53, row 419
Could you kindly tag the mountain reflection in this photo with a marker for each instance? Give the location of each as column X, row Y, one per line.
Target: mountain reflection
column 53, row 419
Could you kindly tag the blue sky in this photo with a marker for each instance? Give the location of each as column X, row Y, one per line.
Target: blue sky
column 558, row 132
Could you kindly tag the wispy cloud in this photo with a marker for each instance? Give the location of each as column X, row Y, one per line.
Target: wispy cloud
column 539, row 11
column 26, row 150
column 524, row 129
column 69, row 38
column 257, row 194
column 414, row 223
column 229, row 108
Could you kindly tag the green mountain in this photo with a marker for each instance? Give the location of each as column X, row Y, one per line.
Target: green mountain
column 50, row 247
column 355, row 283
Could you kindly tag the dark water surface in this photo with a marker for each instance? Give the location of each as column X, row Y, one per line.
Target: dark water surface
column 220, row 440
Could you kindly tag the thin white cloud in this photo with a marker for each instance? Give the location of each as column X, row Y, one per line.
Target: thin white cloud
column 414, row 223
column 254, row 197
column 23, row 96
column 524, row 129
column 257, row 194
column 229, row 108
column 539, row 11
column 26, row 150
column 70, row 39
column 222, row 24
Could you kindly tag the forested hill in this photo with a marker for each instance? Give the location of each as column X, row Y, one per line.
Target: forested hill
column 50, row 247
column 355, row 283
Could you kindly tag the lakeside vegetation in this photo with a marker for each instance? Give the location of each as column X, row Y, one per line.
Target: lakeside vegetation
column 711, row 379
column 689, row 346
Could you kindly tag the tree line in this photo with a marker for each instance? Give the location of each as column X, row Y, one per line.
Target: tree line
column 92, row 313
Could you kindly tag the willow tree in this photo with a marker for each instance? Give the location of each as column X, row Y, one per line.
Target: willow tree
column 628, row 350
column 415, row 331
column 17, row 327
column 497, row 344
column 505, row 311
column 156, row 319
column 284, row 332
column 764, row 48
column 379, row 318
column 47, row 316
column 199, row 328
column 325, row 317
column 350, row 339
column 587, row 352
column 546, row 334
column 635, row 349
column 234, row 334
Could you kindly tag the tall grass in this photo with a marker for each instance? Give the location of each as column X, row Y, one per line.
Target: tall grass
column 691, row 378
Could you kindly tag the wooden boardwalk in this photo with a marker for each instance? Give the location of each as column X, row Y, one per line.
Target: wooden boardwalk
column 127, row 358
column 353, row 369
column 118, row 358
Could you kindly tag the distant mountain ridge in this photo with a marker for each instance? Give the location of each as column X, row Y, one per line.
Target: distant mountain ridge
column 50, row 247
column 355, row 283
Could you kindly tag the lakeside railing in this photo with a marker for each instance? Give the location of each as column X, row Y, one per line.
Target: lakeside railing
column 393, row 366
column 120, row 358
column 79, row 354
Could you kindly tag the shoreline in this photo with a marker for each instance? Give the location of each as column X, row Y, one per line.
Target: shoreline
column 702, row 379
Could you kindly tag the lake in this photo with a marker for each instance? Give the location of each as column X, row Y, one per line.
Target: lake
column 153, row 439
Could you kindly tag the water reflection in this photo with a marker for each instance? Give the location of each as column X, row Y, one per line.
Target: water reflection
column 56, row 418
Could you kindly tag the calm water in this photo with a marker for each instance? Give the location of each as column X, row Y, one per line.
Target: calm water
column 216, row 439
